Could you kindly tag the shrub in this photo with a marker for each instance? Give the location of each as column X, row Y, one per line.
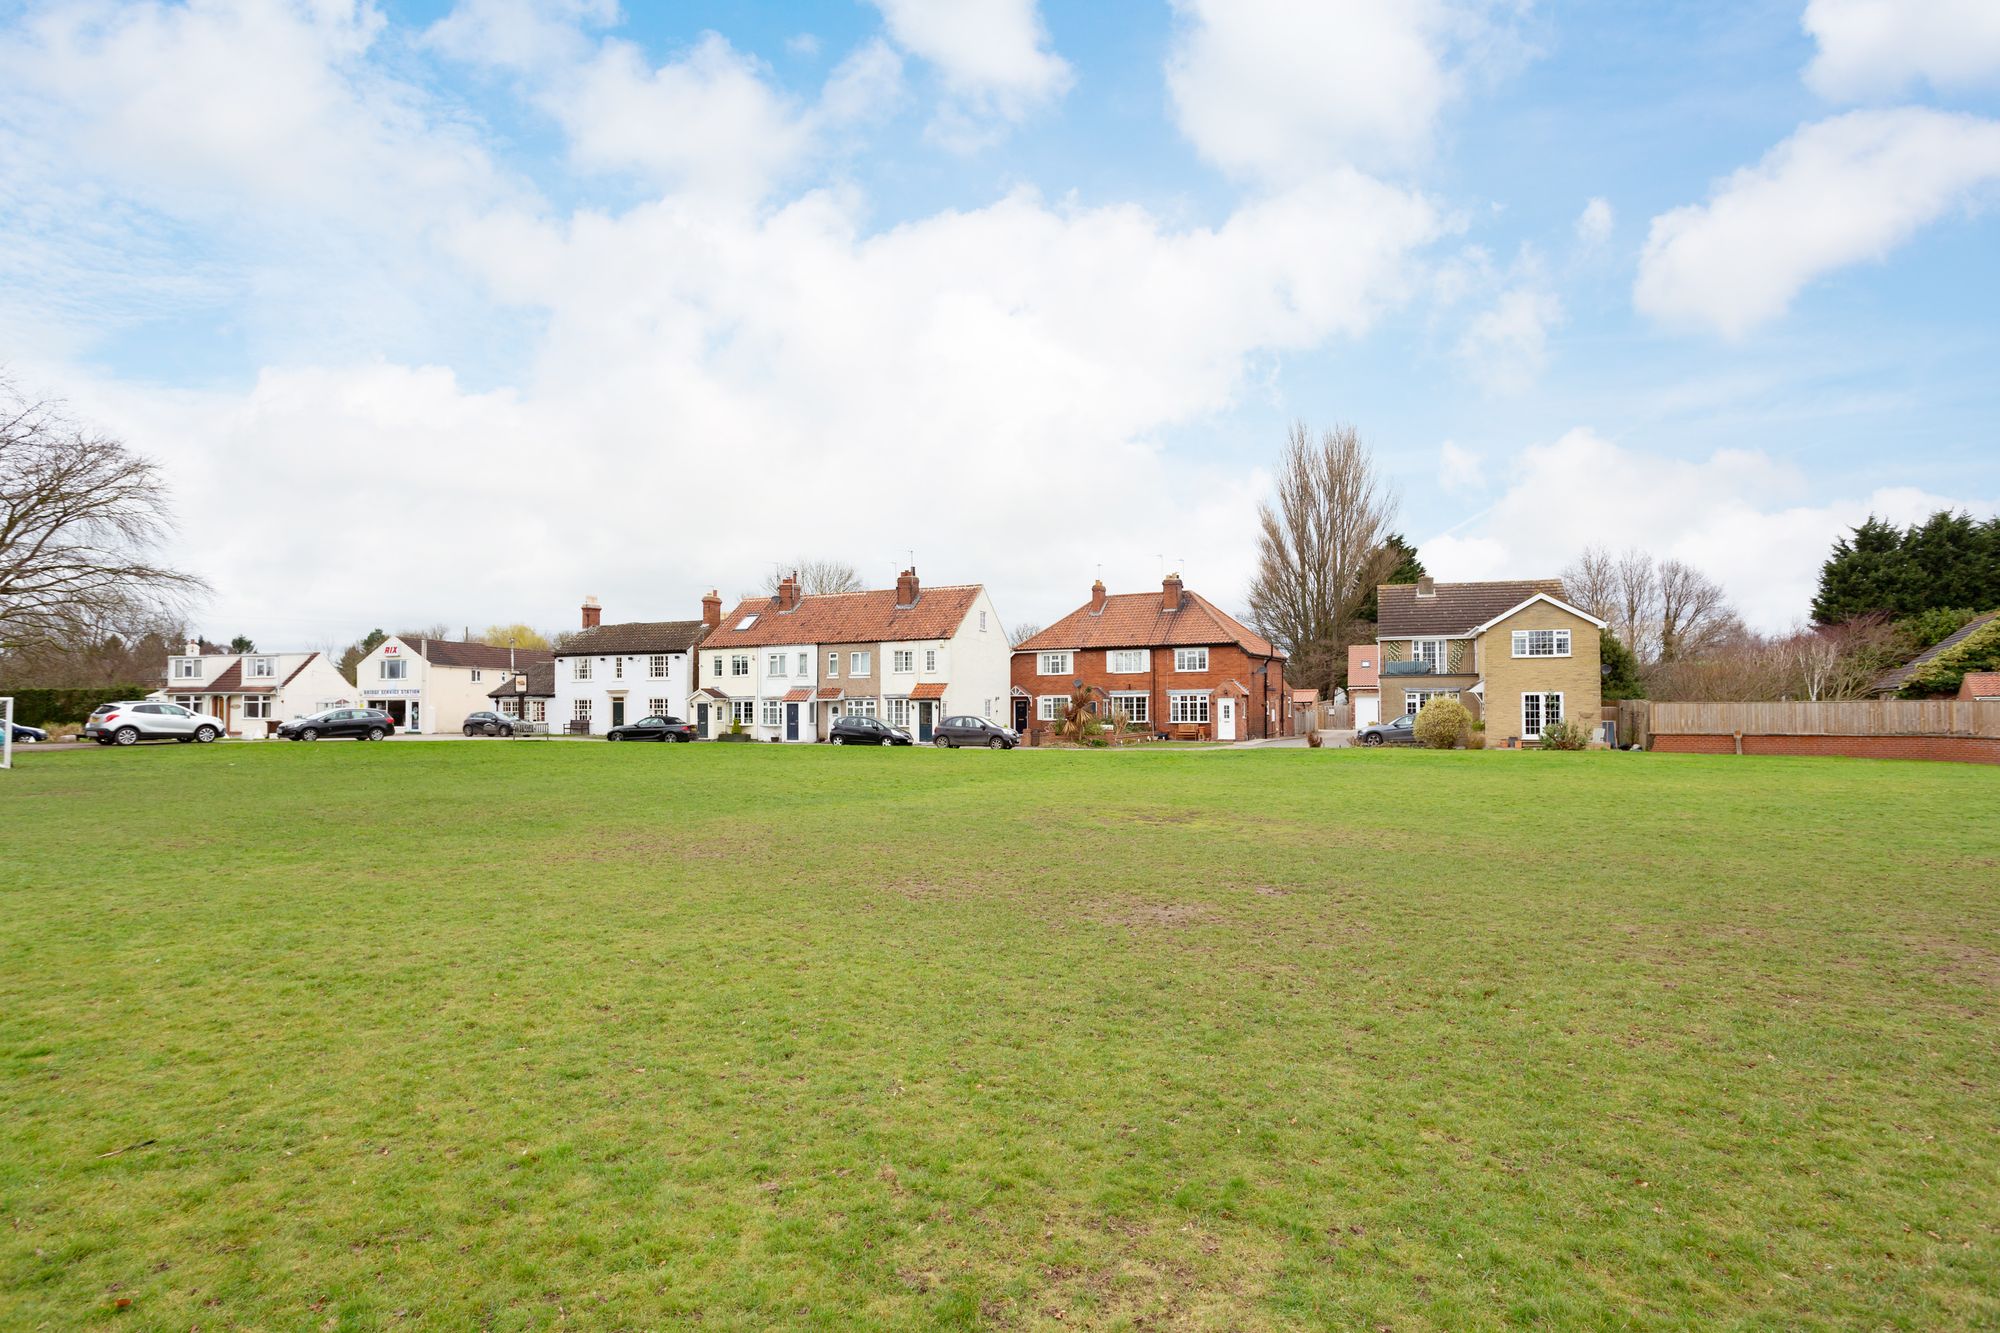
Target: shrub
column 1978, row 651
column 736, row 726
column 1565, row 735
column 1442, row 724
column 1313, row 741
column 38, row 707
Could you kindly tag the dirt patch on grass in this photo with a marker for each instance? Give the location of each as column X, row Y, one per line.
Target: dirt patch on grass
column 644, row 845
column 1167, row 916
column 1961, row 963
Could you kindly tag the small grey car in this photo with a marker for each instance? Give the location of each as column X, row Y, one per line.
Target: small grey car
column 1396, row 731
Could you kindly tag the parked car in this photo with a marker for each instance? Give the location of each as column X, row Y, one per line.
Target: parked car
column 652, row 729
column 488, row 724
column 363, row 724
column 131, row 721
column 27, row 735
column 1396, row 731
column 867, row 731
column 956, row 731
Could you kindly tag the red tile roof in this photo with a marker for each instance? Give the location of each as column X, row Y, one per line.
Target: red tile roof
column 1305, row 696
column 831, row 692
column 1141, row 620
column 798, row 695
column 1453, row 608
column 1980, row 685
column 1364, row 665
column 930, row 689
column 847, row 617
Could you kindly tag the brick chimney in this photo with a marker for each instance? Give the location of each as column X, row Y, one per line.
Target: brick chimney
column 1097, row 597
column 1427, row 586
column 788, row 592
column 906, row 587
column 592, row 613
column 711, row 610
column 1170, row 593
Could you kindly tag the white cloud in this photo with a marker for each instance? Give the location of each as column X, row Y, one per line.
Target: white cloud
column 1595, row 223
column 992, row 56
column 1837, row 192
column 1460, row 470
column 1871, row 48
column 1277, row 90
column 1738, row 515
column 520, row 35
column 1506, row 345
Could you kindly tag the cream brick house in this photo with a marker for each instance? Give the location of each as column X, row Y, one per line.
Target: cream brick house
column 1515, row 653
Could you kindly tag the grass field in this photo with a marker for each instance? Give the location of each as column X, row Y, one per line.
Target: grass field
column 515, row 1035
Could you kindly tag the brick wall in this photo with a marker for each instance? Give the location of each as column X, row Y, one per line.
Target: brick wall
column 1963, row 749
column 1226, row 662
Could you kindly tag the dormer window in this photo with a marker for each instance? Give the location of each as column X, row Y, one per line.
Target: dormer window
column 187, row 668
column 260, row 667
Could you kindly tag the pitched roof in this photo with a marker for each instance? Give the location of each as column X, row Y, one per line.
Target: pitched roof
column 847, row 617
column 831, row 692
column 229, row 682
column 1890, row 681
column 1141, row 620
column 454, row 653
column 638, row 636
column 930, row 689
column 541, row 683
column 1364, row 662
column 1453, row 608
column 1306, row 695
column 1980, row 685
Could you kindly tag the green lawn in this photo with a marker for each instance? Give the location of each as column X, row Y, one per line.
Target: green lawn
column 516, row 1035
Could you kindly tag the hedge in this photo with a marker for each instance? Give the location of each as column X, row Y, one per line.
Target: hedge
column 36, row 706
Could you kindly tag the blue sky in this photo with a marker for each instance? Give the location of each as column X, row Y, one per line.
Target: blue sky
column 462, row 311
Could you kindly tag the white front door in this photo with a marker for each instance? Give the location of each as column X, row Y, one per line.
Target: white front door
column 1225, row 719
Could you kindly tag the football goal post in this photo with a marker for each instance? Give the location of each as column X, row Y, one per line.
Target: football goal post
column 6, row 731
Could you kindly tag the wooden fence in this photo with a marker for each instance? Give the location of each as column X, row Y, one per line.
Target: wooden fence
column 1639, row 721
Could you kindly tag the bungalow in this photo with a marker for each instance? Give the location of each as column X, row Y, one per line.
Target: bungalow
column 431, row 685
column 1890, row 683
column 1514, row 653
column 788, row 665
column 1170, row 660
column 253, row 692
column 607, row 675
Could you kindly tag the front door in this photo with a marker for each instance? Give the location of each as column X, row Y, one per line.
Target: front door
column 791, row 722
column 1225, row 719
column 415, row 721
column 1020, row 717
column 926, row 719
column 617, row 712
column 701, row 720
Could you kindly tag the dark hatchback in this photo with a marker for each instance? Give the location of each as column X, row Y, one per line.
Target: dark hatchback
column 363, row 724
column 956, row 731
column 488, row 724
column 867, row 731
column 652, row 729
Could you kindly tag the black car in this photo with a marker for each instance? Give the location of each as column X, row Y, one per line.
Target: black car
column 488, row 724
column 652, row 729
column 956, row 731
column 867, row 731
column 1396, row 731
column 363, row 724
column 27, row 735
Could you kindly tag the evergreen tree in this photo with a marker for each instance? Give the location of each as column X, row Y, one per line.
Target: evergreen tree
column 1408, row 569
column 1863, row 576
column 1621, row 669
column 242, row 644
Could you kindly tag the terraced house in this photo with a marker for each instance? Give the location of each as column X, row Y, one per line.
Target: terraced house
column 608, row 675
column 787, row 666
column 1515, row 653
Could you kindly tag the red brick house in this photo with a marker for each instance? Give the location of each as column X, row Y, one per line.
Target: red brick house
column 1171, row 661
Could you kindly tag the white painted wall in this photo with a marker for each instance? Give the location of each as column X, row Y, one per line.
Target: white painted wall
column 619, row 675
column 981, row 678
column 801, row 667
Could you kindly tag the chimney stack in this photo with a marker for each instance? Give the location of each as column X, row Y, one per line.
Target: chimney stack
column 193, row 648
column 711, row 610
column 788, row 592
column 906, row 587
column 1097, row 596
column 1170, row 593
column 592, row 613
column 1427, row 586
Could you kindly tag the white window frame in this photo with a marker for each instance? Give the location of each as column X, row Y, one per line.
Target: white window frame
column 1049, row 707
column 617, row 668
column 902, row 661
column 860, row 664
column 860, row 707
column 982, row 622
column 477, row 674
column 1187, row 707
column 739, row 665
column 805, row 666
column 1124, row 701
column 581, row 713
column 717, row 660
column 257, row 707
column 187, row 668
column 774, row 664
column 1126, row 661
column 1053, row 664
column 1191, row 661
column 930, row 661
column 657, row 708
column 1541, row 643
column 261, row 668
column 394, row 668
column 774, row 712
column 581, row 671
column 656, row 666
column 899, row 711
column 1543, row 715
column 833, row 666
column 744, row 711
column 1433, row 652
column 1414, row 700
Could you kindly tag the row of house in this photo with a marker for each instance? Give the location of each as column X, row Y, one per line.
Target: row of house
column 786, row 666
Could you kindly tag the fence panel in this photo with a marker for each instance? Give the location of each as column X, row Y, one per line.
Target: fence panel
column 1852, row 717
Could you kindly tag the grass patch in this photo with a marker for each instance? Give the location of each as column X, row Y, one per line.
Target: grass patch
column 503, row 1036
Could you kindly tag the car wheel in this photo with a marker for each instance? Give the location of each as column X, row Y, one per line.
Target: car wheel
column 1372, row 738
column 126, row 736
column 469, row 730
column 996, row 743
column 507, row 732
column 205, row 735
column 840, row 740
column 375, row 733
column 309, row 734
column 613, row 736
column 941, row 742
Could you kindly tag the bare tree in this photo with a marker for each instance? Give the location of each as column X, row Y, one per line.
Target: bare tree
column 1321, row 546
column 1021, row 633
column 80, row 516
column 1694, row 611
column 1636, row 606
column 1591, row 582
column 816, row 576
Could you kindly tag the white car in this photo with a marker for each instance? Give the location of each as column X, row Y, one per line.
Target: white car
column 149, row 720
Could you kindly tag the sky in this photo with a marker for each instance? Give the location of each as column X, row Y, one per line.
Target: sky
column 460, row 312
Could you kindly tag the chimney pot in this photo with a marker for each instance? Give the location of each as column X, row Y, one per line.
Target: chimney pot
column 1427, row 586
column 1097, row 595
column 592, row 613
column 1170, row 593
column 711, row 609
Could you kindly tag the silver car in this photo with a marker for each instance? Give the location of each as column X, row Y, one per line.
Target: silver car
column 1396, row 731
column 128, row 723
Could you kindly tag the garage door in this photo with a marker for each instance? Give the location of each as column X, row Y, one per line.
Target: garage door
column 1367, row 710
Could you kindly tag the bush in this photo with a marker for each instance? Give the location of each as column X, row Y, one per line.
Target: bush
column 43, row 707
column 1313, row 741
column 1565, row 735
column 1978, row 651
column 1442, row 724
